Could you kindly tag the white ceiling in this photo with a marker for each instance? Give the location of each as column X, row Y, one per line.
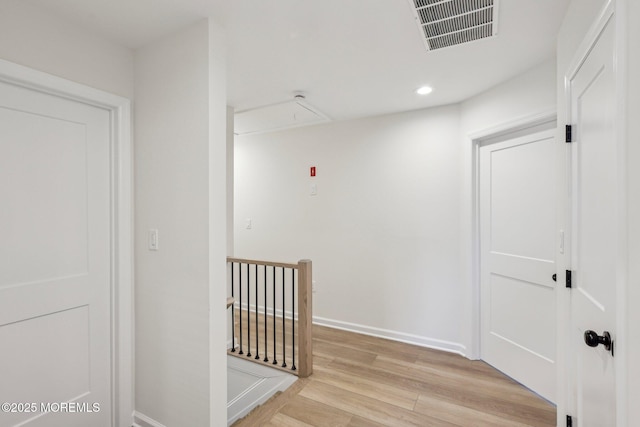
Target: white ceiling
column 351, row 58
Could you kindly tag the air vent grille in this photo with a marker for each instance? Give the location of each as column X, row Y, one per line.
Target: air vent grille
column 445, row 23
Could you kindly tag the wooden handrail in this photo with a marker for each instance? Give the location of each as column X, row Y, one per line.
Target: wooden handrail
column 304, row 345
column 267, row 263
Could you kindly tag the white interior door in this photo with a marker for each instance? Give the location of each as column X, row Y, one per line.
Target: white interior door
column 595, row 239
column 55, row 325
column 517, row 235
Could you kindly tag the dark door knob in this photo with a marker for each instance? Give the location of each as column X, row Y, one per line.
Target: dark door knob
column 592, row 339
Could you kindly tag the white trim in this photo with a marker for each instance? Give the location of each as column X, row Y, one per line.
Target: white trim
column 124, row 268
column 141, row 420
column 622, row 351
column 517, row 124
column 434, row 343
column 475, row 139
column 122, row 217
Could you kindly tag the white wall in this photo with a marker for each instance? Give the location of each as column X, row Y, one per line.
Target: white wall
column 529, row 93
column 180, row 185
column 379, row 232
column 384, row 231
column 36, row 38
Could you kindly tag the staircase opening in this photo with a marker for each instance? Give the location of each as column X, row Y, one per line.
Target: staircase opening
column 270, row 337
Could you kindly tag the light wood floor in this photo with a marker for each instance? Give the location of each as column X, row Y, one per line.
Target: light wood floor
column 365, row 381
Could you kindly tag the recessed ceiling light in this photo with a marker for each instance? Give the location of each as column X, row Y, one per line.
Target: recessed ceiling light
column 424, row 90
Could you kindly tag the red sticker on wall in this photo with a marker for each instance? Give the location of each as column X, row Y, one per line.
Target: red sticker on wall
column 313, row 171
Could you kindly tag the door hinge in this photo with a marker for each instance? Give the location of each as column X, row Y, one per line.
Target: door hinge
column 568, row 133
column 568, row 279
column 569, row 421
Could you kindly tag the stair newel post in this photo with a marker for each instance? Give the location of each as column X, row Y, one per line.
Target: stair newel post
column 305, row 318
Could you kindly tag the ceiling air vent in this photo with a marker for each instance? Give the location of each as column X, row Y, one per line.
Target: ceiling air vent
column 445, row 23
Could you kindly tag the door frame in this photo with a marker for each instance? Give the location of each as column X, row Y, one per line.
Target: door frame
column 613, row 11
column 121, row 233
column 521, row 125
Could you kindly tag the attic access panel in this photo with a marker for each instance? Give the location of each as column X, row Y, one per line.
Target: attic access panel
column 446, row 23
column 284, row 115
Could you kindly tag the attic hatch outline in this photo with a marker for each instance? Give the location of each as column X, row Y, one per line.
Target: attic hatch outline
column 278, row 116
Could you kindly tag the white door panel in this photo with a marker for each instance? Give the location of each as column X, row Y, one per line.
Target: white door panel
column 531, row 270
column 55, row 280
column 517, row 213
column 515, row 303
column 595, row 240
column 521, row 176
column 60, row 209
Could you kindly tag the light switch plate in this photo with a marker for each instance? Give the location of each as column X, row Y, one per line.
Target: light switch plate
column 153, row 239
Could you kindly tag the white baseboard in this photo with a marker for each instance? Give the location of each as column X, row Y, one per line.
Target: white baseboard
column 436, row 344
column 141, row 420
column 261, row 310
column 448, row 346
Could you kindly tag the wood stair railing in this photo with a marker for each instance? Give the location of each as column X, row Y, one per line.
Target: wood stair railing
column 271, row 313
